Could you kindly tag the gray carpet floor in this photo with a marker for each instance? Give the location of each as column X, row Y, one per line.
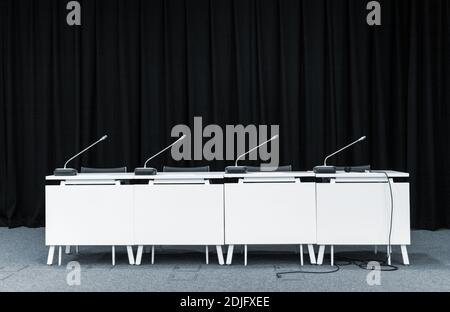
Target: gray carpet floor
column 23, row 268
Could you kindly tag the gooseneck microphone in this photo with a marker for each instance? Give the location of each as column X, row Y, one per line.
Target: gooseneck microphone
column 70, row 171
column 152, row 171
column 243, row 169
column 332, row 169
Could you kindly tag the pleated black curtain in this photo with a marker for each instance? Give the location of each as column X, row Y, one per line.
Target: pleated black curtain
column 134, row 69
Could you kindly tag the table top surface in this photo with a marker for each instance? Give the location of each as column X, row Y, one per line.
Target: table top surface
column 221, row 175
column 371, row 174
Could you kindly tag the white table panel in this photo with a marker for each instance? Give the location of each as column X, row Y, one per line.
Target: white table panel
column 179, row 214
column 89, row 215
column 270, row 213
column 360, row 213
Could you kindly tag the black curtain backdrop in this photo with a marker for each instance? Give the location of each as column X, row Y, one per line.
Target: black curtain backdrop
column 134, row 69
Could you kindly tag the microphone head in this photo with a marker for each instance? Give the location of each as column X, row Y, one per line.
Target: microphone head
column 104, row 137
column 184, row 135
column 362, row 138
column 274, row 137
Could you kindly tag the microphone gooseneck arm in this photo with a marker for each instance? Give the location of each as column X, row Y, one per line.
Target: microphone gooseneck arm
column 256, row 147
column 165, row 149
column 345, row 147
column 75, row 156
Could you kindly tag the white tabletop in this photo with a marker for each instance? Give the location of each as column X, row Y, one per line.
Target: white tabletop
column 367, row 174
column 271, row 174
column 132, row 176
column 221, row 175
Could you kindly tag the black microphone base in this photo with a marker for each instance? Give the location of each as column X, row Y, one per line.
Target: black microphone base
column 65, row 172
column 236, row 169
column 325, row 169
column 145, row 171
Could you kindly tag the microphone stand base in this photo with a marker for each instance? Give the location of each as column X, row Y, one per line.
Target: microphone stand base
column 324, row 169
column 236, row 169
column 145, row 171
column 65, row 172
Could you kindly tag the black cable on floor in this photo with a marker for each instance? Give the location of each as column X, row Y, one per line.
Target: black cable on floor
column 361, row 263
column 336, row 268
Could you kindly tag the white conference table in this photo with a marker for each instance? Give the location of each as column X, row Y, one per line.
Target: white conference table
column 108, row 209
column 217, row 208
column 355, row 209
